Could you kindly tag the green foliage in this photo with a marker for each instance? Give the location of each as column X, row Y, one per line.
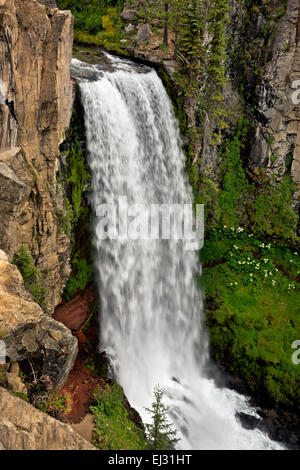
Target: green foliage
column 81, row 275
column 223, row 201
column 76, row 220
column 21, row 395
column 189, row 26
column 113, row 428
column 96, row 21
column 233, row 180
column 266, row 206
column 2, row 378
column 253, row 319
column 161, row 434
column 274, row 215
column 31, row 275
column 78, row 179
column 56, row 402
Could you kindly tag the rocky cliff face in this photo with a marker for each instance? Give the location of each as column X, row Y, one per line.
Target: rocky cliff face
column 35, row 110
column 23, row 427
column 262, row 85
column 259, row 47
column 276, row 143
column 28, row 332
column 48, row 3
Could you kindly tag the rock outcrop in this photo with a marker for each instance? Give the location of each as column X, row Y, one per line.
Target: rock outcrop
column 77, row 312
column 48, row 3
column 277, row 130
column 35, row 109
column 23, row 427
column 29, row 333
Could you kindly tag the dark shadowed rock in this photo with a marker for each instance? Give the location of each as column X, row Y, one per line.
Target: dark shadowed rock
column 248, row 421
column 48, row 3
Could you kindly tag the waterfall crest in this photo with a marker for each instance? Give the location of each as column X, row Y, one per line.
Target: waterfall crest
column 151, row 308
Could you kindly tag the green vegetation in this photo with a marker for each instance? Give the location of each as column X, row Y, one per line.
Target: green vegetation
column 115, row 431
column 274, row 214
column 96, row 21
column 76, row 221
column 56, row 403
column 113, row 428
column 161, row 435
column 21, row 395
column 82, row 273
column 75, row 174
column 232, row 176
column 77, row 180
column 264, row 206
column 2, row 377
column 252, row 297
column 31, row 275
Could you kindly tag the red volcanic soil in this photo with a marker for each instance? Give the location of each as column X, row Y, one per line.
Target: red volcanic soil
column 75, row 314
column 80, row 387
column 78, row 315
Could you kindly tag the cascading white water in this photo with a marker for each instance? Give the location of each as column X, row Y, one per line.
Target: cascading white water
column 151, row 320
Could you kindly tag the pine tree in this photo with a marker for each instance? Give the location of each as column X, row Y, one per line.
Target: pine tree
column 161, row 434
column 189, row 26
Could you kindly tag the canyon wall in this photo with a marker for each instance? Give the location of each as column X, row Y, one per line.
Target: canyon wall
column 35, row 109
column 256, row 54
column 36, row 99
column 276, row 136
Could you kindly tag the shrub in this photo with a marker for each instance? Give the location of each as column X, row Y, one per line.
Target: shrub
column 113, row 429
column 31, row 275
column 81, row 276
column 274, row 215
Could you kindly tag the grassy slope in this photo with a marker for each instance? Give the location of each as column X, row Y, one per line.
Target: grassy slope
column 253, row 303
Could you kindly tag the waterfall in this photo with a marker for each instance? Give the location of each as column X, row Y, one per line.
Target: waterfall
column 151, row 308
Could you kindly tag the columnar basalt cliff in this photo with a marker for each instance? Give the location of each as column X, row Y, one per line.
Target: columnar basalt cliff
column 35, row 110
column 36, row 99
column 276, row 144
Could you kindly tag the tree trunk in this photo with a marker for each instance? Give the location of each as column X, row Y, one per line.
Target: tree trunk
column 166, row 27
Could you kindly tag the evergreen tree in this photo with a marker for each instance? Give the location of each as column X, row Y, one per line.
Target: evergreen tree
column 161, row 434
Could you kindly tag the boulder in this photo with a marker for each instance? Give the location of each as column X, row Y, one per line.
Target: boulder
column 249, row 422
column 129, row 27
column 144, row 33
column 23, row 427
column 28, row 332
column 14, row 383
column 129, row 13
